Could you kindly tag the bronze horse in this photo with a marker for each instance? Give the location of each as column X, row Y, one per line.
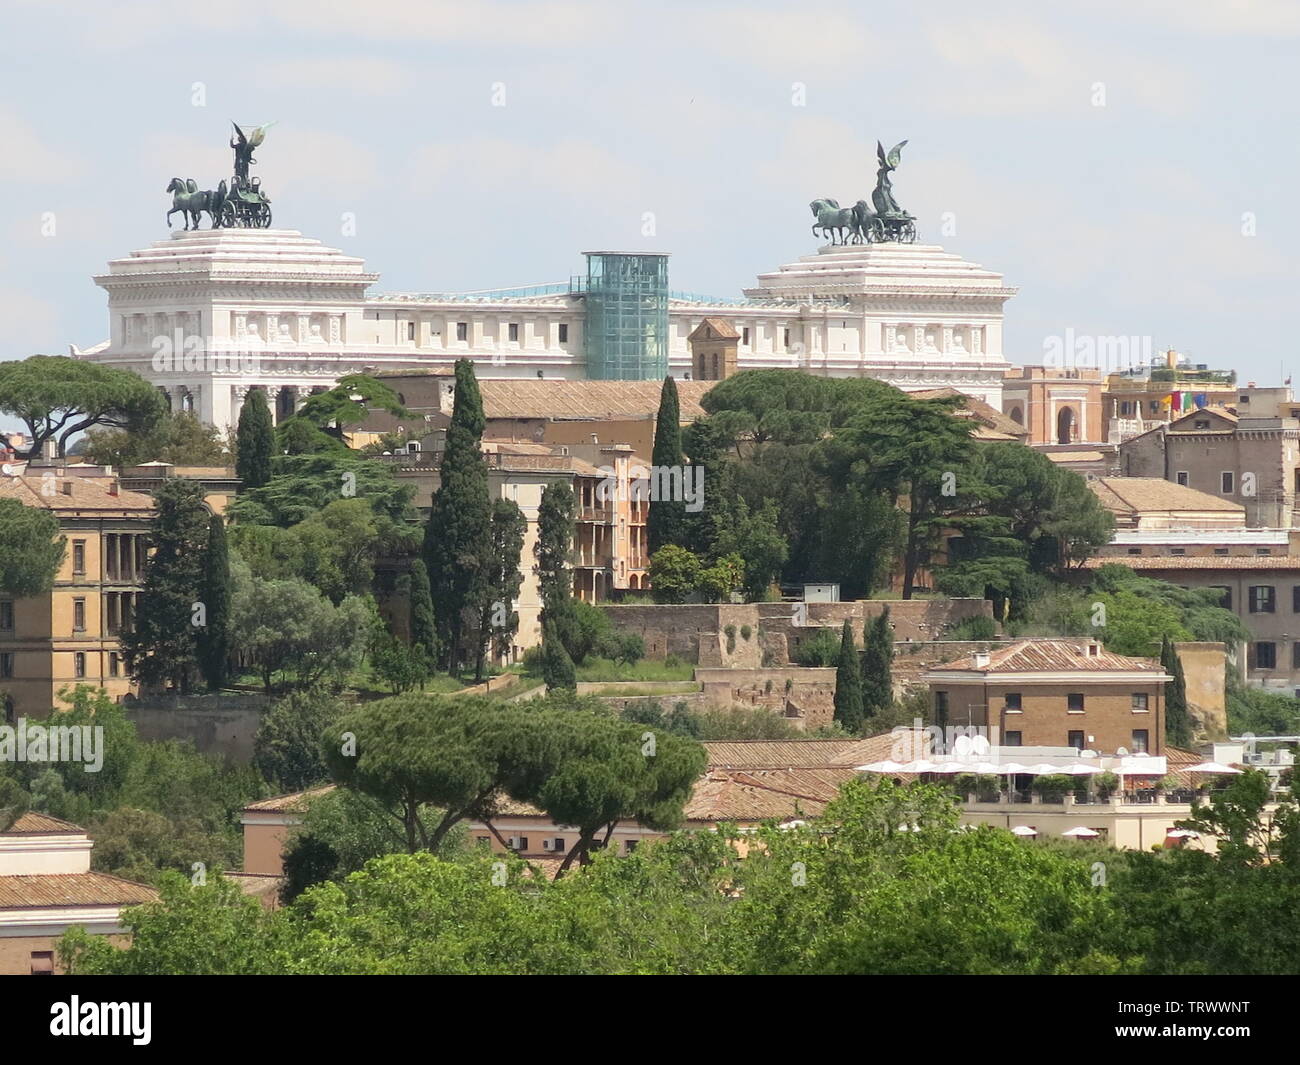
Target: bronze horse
column 191, row 201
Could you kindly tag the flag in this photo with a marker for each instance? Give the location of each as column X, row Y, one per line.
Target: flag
column 1202, row 400
column 1175, row 401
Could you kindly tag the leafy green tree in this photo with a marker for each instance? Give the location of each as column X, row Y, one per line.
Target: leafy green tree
column 180, row 437
column 848, row 682
column 413, row 754
column 1178, row 719
column 756, row 539
column 215, row 593
column 33, row 549
column 163, row 646
column 819, row 651
column 330, row 414
column 877, row 664
column 287, row 748
column 666, row 521
column 674, row 574
column 302, row 485
column 57, row 397
column 608, row 771
column 424, row 633
column 458, row 536
column 720, row 580
column 289, row 628
column 254, row 441
column 214, row 929
column 557, row 666
column 398, row 665
column 497, row 620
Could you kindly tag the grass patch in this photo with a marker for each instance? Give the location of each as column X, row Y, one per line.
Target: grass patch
column 678, row 687
column 603, row 669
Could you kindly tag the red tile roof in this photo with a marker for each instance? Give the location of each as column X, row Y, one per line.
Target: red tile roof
column 71, row 889
column 36, row 824
column 1051, row 655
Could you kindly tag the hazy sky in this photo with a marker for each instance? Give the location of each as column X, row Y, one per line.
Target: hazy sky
column 1121, row 219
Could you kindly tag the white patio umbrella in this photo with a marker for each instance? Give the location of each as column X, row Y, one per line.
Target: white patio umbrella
column 923, row 765
column 986, row 769
column 1081, row 832
column 887, row 766
column 1010, row 768
column 947, row 768
column 1182, row 833
column 1212, row 767
column 1024, row 830
column 1081, row 769
column 1043, row 769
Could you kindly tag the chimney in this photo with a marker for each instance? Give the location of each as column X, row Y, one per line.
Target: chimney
column 981, row 659
column 112, row 486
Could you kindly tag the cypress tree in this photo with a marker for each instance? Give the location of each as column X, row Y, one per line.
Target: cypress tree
column 557, row 666
column 457, row 539
column 1178, row 721
column 877, row 665
column 497, row 619
column 554, row 553
column 214, row 593
column 255, row 441
column 666, row 522
column 162, row 646
column 848, row 682
column 424, row 634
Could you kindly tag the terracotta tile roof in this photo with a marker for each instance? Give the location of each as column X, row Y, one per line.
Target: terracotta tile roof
column 1135, row 495
column 71, row 889
column 35, row 824
column 75, row 494
column 1051, row 655
column 765, row 794
column 720, row 326
column 295, row 802
column 1075, row 456
column 1207, row 562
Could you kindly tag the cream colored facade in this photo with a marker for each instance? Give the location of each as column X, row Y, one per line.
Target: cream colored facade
column 71, row 636
column 46, row 888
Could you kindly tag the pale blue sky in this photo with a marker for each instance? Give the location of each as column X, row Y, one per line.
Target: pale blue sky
column 1124, row 219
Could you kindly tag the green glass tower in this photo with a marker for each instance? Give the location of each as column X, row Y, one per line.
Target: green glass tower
column 626, row 334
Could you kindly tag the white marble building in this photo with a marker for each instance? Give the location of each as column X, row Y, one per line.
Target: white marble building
column 206, row 315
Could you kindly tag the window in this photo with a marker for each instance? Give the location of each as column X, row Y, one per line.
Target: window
column 1265, row 655
column 1263, row 599
column 6, row 613
column 512, row 332
column 1140, row 702
column 1135, row 550
column 564, row 332
column 1178, row 550
column 1012, row 739
column 410, row 330
column 114, row 664
column 1225, row 482
column 78, row 615
column 79, row 664
column 7, row 664
column 744, row 336
column 1295, row 600
column 1220, row 550
column 1182, row 478
column 42, row 963
column 79, row 556
column 1074, row 702
column 462, row 331
column 1263, row 550
column 629, row 845
column 1075, row 740
column 1201, row 423
column 785, row 338
column 1295, row 655
column 1140, row 739
column 1013, row 702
